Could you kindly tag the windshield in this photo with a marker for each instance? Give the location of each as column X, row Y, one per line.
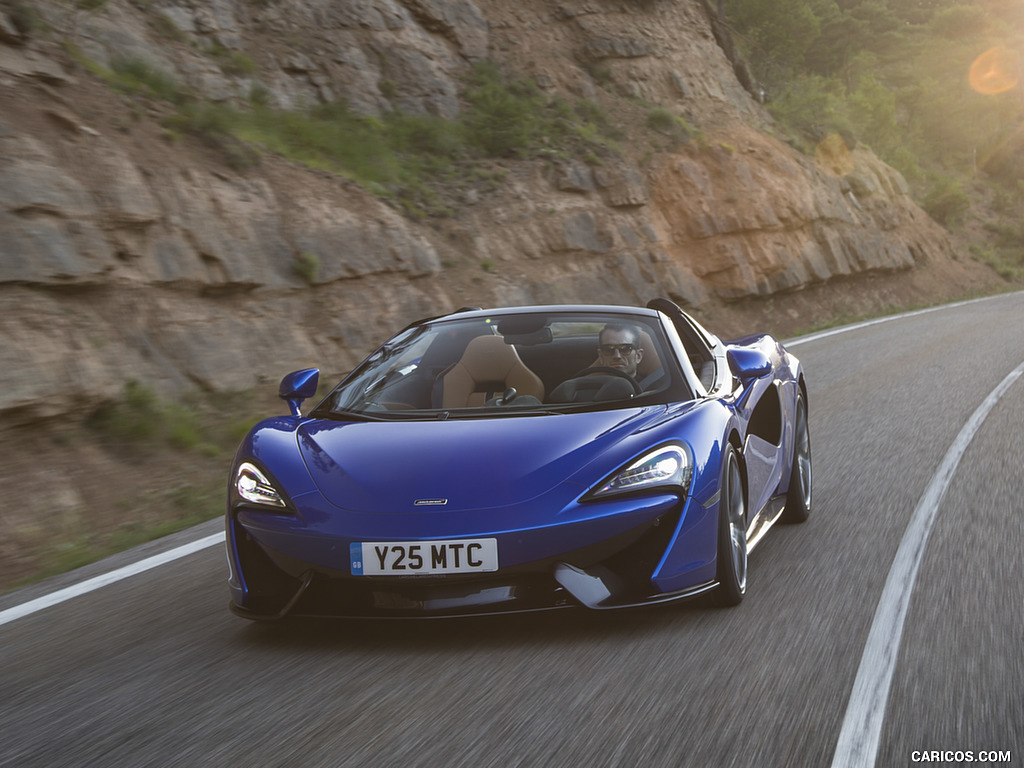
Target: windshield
column 513, row 364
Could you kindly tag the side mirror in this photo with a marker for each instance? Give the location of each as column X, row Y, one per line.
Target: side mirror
column 748, row 364
column 297, row 386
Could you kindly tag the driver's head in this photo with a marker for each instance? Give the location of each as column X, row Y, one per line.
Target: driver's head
column 619, row 348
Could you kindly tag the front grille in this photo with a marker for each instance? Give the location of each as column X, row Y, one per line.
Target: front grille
column 429, row 597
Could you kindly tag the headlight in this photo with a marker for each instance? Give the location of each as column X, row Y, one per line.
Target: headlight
column 668, row 465
column 253, row 486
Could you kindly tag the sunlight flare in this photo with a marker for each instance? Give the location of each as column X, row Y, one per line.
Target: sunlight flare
column 995, row 71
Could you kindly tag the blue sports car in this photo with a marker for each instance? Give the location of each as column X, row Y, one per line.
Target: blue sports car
column 492, row 461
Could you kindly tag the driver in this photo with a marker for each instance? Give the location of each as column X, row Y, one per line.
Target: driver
column 619, row 348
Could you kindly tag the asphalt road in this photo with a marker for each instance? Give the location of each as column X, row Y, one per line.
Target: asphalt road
column 154, row 671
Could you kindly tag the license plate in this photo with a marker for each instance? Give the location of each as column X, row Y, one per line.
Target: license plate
column 406, row 558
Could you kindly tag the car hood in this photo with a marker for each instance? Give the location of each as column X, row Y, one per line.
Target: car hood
column 456, row 465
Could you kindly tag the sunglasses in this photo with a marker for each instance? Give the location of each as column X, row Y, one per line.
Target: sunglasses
column 611, row 349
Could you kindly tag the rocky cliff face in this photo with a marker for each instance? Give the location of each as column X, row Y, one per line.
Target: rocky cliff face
column 124, row 255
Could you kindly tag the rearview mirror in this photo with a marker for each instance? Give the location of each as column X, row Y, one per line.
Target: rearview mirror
column 297, row 386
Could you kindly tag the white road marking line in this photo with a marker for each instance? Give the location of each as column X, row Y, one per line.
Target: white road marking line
column 865, row 712
column 867, row 323
column 89, row 585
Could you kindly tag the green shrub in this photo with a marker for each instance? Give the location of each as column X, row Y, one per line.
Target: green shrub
column 1008, row 265
column 239, row 155
column 1010, row 236
column 946, row 201
column 959, row 21
column 167, row 29
column 1008, row 199
column 307, row 266
column 25, row 18
column 238, row 64
column 599, row 72
column 505, row 118
column 138, row 419
column 871, row 111
column 426, row 135
column 134, row 418
column 660, row 119
column 136, row 75
column 666, row 122
column 330, row 137
column 205, row 119
column 259, row 95
column 399, row 156
column 183, row 427
column 592, row 114
column 813, row 106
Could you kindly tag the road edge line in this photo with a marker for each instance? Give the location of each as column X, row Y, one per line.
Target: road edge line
column 878, row 320
column 860, row 734
column 105, row 579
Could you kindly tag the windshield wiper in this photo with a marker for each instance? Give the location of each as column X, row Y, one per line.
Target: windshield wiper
column 344, row 414
column 473, row 413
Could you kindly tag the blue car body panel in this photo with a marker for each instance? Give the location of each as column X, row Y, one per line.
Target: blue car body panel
column 529, row 481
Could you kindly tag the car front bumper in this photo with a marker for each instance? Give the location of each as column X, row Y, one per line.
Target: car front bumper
column 646, row 558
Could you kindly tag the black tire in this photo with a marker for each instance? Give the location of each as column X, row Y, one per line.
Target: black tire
column 732, row 532
column 798, row 497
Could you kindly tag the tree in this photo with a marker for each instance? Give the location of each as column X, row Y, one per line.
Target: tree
column 778, row 32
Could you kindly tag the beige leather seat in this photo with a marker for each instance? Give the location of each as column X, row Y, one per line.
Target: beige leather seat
column 650, row 362
column 487, row 368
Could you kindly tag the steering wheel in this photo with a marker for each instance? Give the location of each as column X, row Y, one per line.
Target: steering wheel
column 604, row 370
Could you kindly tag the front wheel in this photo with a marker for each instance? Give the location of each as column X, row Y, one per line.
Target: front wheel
column 798, row 498
column 732, row 532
